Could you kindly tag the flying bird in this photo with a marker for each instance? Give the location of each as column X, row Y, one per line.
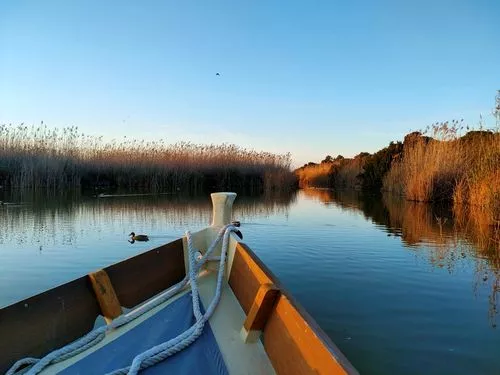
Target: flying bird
column 217, row 74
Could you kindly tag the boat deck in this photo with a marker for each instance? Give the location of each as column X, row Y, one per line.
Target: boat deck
column 220, row 349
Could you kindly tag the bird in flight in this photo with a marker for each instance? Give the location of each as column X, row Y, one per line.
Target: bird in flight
column 217, row 74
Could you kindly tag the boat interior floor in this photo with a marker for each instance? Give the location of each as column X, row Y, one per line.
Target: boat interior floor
column 219, row 350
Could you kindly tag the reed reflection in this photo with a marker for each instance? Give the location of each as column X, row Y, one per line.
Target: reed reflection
column 444, row 235
column 72, row 217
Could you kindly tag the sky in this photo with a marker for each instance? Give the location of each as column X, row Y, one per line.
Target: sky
column 307, row 77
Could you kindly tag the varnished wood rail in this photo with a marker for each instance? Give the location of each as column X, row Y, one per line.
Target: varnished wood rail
column 293, row 341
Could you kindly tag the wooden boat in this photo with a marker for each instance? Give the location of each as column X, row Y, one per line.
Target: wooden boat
column 256, row 327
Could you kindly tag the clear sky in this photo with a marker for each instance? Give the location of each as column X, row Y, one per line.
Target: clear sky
column 309, row 77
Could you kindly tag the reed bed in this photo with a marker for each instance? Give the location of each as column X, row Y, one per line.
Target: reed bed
column 448, row 167
column 40, row 157
column 348, row 173
column 339, row 173
column 431, row 166
column 318, row 175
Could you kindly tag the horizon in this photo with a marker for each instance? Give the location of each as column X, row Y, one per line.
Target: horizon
column 311, row 80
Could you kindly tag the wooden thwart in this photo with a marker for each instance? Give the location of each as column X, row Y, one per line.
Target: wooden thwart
column 105, row 294
column 260, row 311
column 262, row 307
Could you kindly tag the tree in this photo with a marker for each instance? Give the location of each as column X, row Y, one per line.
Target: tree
column 327, row 159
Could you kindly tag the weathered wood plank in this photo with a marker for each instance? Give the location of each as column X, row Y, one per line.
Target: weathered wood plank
column 105, row 294
column 47, row 321
column 138, row 278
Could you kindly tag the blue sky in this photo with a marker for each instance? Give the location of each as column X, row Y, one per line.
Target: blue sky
column 308, row 77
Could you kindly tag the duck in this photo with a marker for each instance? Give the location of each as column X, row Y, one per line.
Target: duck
column 138, row 237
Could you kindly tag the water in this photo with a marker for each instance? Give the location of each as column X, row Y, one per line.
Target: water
column 400, row 287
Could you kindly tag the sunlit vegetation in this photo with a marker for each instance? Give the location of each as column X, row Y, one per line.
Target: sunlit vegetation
column 440, row 167
column 38, row 157
column 447, row 162
column 446, row 166
column 339, row 172
column 364, row 171
column 319, row 175
column 378, row 164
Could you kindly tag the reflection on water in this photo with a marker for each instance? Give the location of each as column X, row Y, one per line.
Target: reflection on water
column 443, row 235
column 400, row 287
column 73, row 219
column 47, row 240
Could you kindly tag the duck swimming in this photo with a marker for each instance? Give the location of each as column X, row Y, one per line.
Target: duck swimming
column 138, row 237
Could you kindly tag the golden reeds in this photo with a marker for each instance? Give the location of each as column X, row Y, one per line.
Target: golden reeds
column 317, row 175
column 448, row 166
column 339, row 173
column 41, row 157
column 430, row 166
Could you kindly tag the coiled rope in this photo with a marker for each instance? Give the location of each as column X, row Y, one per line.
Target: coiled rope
column 159, row 352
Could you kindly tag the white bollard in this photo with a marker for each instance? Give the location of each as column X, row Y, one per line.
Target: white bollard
column 222, row 208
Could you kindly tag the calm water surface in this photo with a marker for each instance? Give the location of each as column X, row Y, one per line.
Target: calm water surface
column 401, row 288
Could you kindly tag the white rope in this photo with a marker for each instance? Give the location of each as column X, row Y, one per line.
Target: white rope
column 159, row 352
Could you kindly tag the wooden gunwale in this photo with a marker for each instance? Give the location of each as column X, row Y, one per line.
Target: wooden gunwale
column 292, row 339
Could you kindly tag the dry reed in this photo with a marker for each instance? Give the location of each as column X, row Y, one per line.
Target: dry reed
column 430, row 167
column 339, row 173
column 318, row 175
column 40, row 157
column 448, row 167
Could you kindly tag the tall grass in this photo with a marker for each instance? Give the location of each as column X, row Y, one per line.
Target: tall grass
column 318, row 175
column 338, row 173
column 348, row 173
column 431, row 166
column 41, row 157
column 449, row 167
